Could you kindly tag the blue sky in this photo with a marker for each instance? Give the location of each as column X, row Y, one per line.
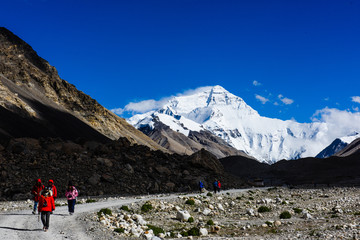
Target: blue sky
column 286, row 59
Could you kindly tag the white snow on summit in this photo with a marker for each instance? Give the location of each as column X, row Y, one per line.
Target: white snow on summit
column 229, row 117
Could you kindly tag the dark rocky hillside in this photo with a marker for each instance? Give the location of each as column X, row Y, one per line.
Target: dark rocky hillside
column 114, row 168
column 329, row 171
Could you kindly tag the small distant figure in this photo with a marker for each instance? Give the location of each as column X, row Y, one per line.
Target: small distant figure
column 215, row 185
column 218, row 185
column 71, row 194
column 36, row 192
column 201, row 186
column 46, row 206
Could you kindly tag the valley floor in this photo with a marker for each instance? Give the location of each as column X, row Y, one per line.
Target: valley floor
column 329, row 213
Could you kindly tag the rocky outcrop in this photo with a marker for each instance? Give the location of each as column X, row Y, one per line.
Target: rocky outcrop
column 177, row 142
column 36, row 102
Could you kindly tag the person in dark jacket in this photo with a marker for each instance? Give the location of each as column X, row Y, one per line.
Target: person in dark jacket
column 71, row 194
column 201, row 186
column 46, row 206
column 35, row 191
column 215, row 185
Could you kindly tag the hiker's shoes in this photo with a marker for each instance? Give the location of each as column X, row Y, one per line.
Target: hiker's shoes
column 33, row 212
column 71, row 213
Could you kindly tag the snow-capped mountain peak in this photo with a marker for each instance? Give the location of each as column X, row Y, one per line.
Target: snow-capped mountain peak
column 228, row 116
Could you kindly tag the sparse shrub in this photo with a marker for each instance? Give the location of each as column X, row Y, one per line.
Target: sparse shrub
column 283, row 202
column 269, row 223
column 274, row 230
column 210, row 222
column 334, row 216
column 125, row 208
column 105, row 211
column 184, row 234
column 285, row 215
column 194, row 231
column 90, row 200
column 119, row 230
column 357, row 214
column 227, row 193
column 251, row 198
column 78, row 202
column 238, row 198
column 297, row 210
column 57, row 204
column 209, row 194
column 262, row 209
column 155, row 229
column 191, row 219
column 146, row 207
column 190, row 202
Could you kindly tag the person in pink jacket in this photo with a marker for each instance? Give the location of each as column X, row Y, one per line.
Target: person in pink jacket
column 71, row 194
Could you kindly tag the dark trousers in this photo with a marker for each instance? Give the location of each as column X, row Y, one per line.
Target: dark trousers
column 45, row 218
column 71, row 205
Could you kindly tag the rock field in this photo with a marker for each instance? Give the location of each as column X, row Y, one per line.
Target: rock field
column 272, row 213
column 332, row 213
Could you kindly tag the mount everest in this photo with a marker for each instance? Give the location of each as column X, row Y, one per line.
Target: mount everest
column 228, row 117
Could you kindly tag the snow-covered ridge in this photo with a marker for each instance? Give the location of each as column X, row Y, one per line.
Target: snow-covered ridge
column 229, row 117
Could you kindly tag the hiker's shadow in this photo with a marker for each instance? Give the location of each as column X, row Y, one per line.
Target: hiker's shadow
column 22, row 229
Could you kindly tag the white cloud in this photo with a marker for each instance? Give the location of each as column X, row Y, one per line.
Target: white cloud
column 144, row 106
column 355, row 99
column 338, row 123
column 256, row 83
column 285, row 100
column 262, row 99
column 117, row 111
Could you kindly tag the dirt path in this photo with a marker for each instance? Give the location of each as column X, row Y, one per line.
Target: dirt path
column 26, row 226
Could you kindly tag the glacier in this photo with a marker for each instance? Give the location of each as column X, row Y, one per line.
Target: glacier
column 227, row 116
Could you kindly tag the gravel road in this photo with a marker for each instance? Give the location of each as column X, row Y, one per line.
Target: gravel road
column 22, row 224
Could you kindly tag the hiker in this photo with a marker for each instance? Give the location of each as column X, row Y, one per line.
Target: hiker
column 215, row 184
column 52, row 187
column 46, row 206
column 37, row 188
column 71, row 194
column 201, row 186
column 218, row 185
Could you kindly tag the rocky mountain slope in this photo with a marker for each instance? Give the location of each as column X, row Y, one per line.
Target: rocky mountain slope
column 350, row 149
column 337, row 145
column 177, row 142
column 226, row 116
column 35, row 101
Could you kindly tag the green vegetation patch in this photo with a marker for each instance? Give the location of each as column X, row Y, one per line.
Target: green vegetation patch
column 156, row 230
column 297, row 210
column 190, row 202
column 119, row 230
column 285, row 215
column 125, row 208
column 194, row 231
column 90, row 201
column 146, row 207
column 263, row 209
column 105, row 211
column 210, row 222
column 191, row 219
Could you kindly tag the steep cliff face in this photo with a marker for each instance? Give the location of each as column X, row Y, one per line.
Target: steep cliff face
column 31, row 90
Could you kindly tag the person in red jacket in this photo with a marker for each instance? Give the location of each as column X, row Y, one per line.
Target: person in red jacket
column 35, row 191
column 46, row 206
